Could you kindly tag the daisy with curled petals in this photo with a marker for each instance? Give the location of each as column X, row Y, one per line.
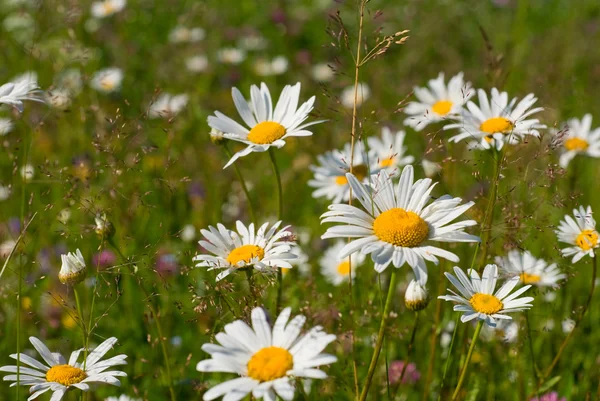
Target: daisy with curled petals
column 477, row 299
column 530, row 269
column 265, row 250
column 390, row 150
column 267, row 126
column 24, row 87
column 397, row 224
column 438, row 102
column 58, row 376
column 338, row 270
column 580, row 232
column 497, row 121
column 330, row 175
column 578, row 138
column 267, row 360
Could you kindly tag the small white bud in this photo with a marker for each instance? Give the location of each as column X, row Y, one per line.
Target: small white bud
column 73, row 269
column 416, row 297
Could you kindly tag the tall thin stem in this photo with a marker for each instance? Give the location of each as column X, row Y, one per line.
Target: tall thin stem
column 380, row 336
column 463, row 374
column 242, row 182
column 448, row 359
column 279, row 217
column 408, row 355
column 530, row 341
column 486, row 229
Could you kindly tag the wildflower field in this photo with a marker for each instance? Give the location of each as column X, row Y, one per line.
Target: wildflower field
column 299, row 200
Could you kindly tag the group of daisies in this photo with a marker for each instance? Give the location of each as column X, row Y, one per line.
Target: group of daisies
column 397, row 222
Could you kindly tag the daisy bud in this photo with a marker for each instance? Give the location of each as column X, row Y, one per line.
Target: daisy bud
column 216, row 137
column 73, row 269
column 104, row 227
column 416, row 297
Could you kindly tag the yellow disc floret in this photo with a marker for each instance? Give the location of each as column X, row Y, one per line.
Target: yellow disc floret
column 245, row 253
column 360, row 171
column 343, row 268
column 387, row 162
column 401, row 228
column 497, row 124
column 587, row 240
column 486, row 303
column 576, row 144
column 442, row 107
column 266, row 133
column 65, row 375
column 269, row 364
column 527, row 278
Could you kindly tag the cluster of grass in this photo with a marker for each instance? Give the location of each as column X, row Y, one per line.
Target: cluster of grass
column 152, row 177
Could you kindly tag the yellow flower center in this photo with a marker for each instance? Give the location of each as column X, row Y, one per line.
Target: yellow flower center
column 527, row 278
column 65, row 375
column 387, row 162
column 360, row 171
column 108, row 7
column 401, row 228
column 266, row 132
column 497, row 124
column 576, row 144
column 269, row 364
column 245, row 253
column 485, row 303
column 587, row 240
column 442, row 107
column 343, row 268
column 107, row 84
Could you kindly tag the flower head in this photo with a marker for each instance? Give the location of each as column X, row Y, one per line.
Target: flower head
column 107, row 80
column 106, row 8
column 398, row 222
column 579, row 231
column 73, row 269
column 267, row 125
column 24, row 87
column 530, row 269
column 553, row 396
column 338, row 270
column 104, row 228
column 267, row 359
column 578, row 138
column 497, row 121
column 59, row 375
column 416, row 297
column 390, row 150
column 478, row 298
column 363, row 94
column 182, row 34
column 167, row 105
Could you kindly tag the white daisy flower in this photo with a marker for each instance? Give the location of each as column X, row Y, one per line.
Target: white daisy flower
column 196, row 64
column 23, row 87
column 264, row 250
column 530, row 269
column 73, row 269
column 106, row 8
column 580, row 232
column 265, row 67
column 322, row 72
column 59, row 98
column 6, row 126
column 330, row 175
column 182, row 34
column 397, row 225
column 5, row 192
column 390, row 150
column 438, row 102
column 267, row 126
column 301, row 262
column 578, row 138
column 107, row 80
column 347, row 96
column 59, row 376
column 167, row 105
column 337, row 270
column 231, row 55
column 268, row 360
column 496, row 121
column 122, row 398
column 477, row 299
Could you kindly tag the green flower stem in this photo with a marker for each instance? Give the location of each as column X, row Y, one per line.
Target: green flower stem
column 380, row 336
column 408, row 355
column 486, row 229
column 463, row 374
column 279, row 217
column 242, row 182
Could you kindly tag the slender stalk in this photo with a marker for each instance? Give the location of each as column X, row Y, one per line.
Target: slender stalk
column 577, row 322
column 279, row 217
column 463, row 374
column 380, row 336
column 80, row 313
column 242, row 182
column 408, row 355
column 486, row 229
column 530, row 341
column 447, row 365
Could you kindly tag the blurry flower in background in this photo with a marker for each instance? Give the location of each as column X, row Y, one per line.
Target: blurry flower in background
column 27, row 172
column 579, row 231
column 166, row 263
column 122, row 398
column 337, row 270
column 578, row 138
column 438, row 101
column 182, row 34
column 106, row 8
column 252, row 42
column 497, row 121
column 347, row 96
column 507, row 330
column 322, row 72
column 73, row 269
column 167, row 105
column 390, row 150
column 553, row 396
column 103, row 259
column 23, row 87
column 188, row 233
column 6, row 248
column 530, row 269
column 277, row 66
column 107, row 80
column 430, row 168
column 72, row 80
column 568, row 325
column 6, row 126
column 59, row 98
column 411, row 374
column 301, row 262
column 104, row 228
column 231, row 55
column 5, row 192
column 20, row 25
column 64, row 215
column 268, row 125
column 196, row 64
